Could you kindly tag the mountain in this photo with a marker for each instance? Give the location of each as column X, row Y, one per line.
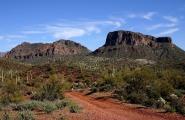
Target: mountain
column 2, row 54
column 127, row 44
column 27, row 51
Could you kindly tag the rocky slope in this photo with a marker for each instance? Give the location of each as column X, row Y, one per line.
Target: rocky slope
column 27, row 51
column 139, row 46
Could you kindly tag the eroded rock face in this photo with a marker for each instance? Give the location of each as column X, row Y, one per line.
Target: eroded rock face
column 133, row 38
column 164, row 40
column 135, row 45
column 58, row 48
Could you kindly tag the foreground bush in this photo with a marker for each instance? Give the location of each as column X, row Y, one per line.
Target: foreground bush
column 48, row 107
column 74, row 108
column 49, row 91
column 176, row 105
column 25, row 115
column 10, row 93
column 53, row 89
column 62, row 104
column 30, row 105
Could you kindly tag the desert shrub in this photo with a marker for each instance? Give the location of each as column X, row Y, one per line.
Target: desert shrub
column 48, row 107
column 150, row 102
column 1, row 106
column 177, row 104
column 50, row 91
column 78, row 85
column 136, row 97
column 160, row 103
column 165, row 89
column 74, row 108
column 120, row 93
column 105, row 84
column 169, row 108
column 109, row 81
column 175, row 77
column 10, row 92
column 25, row 115
column 62, row 103
column 30, row 105
column 138, row 80
column 87, row 82
column 153, row 91
column 6, row 116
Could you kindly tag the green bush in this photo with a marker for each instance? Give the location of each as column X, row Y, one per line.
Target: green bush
column 1, row 106
column 169, row 108
column 135, row 97
column 177, row 104
column 30, row 105
column 165, row 89
column 48, row 107
column 50, row 91
column 25, row 115
column 73, row 108
column 62, row 104
column 10, row 92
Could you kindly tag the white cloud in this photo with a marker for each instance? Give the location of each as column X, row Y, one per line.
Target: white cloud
column 14, row 36
column 169, row 31
column 161, row 25
column 149, row 15
column 171, row 19
column 1, row 37
column 132, row 15
column 93, row 29
column 146, row 16
column 72, row 29
column 32, row 32
column 9, row 37
column 65, row 32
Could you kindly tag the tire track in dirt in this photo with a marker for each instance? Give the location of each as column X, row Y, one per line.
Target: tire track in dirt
column 98, row 109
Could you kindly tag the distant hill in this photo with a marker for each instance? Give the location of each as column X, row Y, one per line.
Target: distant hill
column 28, row 51
column 127, row 44
column 2, row 54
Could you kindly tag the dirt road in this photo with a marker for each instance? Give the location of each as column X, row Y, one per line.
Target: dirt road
column 107, row 109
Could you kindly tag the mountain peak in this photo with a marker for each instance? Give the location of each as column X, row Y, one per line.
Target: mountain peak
column 136, row 45
column 122, row 37
column 27, row 51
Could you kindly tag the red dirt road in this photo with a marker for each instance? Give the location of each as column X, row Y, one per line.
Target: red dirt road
column 107, row 109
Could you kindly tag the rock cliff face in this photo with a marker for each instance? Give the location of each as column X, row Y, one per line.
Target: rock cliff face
column 133, row 39
column 139, row 46
column 27, row 51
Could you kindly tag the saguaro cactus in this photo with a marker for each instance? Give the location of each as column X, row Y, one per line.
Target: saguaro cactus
column 2, row 76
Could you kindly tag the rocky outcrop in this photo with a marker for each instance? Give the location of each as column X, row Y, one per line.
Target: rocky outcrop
column 133, row 39
column 163, row 40
column 27, row 51
column 139, row 46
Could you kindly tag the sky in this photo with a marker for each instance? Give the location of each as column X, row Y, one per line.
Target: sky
column 88, row 21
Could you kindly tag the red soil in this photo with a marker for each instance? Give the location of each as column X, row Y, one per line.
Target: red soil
column 108, row 109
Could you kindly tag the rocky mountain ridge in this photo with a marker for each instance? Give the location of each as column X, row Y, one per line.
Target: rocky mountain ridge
column 26, row 51
column 139, row 46
column 120, row 44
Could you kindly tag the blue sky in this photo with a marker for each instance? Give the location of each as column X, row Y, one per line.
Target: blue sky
column 88, row 21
